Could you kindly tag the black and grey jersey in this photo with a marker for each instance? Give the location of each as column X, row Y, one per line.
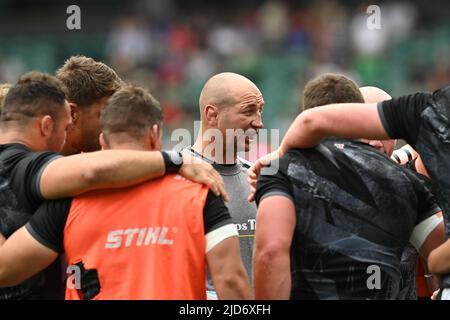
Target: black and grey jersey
column 423, row 120
column 355, row 212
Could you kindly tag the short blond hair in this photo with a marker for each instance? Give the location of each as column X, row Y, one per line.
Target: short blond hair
column 4, row 88
column 87, row 80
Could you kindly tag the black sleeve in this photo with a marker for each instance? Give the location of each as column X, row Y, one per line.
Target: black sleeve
column 427, row 202
column 215, row 213
column 274, row 184
column 26, row 177
column 48, row 223
column 401, row 116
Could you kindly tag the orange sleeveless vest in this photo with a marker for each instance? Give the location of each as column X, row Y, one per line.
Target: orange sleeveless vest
column 146, row 241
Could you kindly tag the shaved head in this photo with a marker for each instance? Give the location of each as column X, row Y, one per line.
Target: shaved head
column 223, row 90
column 374, row 94
column 231, row 109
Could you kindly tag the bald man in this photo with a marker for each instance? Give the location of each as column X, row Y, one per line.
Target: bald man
column 333, row 221
column 230, row 112
column 375, row 95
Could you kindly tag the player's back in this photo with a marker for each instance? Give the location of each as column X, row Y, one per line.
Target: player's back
column 143, row 242
column 355, row 211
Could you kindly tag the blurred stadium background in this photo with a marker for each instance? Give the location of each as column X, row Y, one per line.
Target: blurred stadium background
column 172, row 46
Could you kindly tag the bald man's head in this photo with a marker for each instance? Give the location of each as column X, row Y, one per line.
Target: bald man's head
column 232, row 105
column 374, row 94
column 223, row 90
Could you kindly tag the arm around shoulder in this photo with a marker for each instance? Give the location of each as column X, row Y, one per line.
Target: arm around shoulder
column 73, row 175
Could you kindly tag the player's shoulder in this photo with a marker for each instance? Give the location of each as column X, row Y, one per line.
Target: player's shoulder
column 177, row 184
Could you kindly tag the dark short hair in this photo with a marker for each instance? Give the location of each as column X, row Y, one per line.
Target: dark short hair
column 131, row 111
column 35, row 94
column 87, row 80
column 330, row 88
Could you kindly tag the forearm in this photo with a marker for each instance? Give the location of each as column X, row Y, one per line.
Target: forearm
column 432, row 282
column 7, row 277
column 346, row 120
column 21, row 257
column 227, row 271
column 8, row 274
column 420, row 167
column 439, row 259
column 272, row 275
column 70, row 176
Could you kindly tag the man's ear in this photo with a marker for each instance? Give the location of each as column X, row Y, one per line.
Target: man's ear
column 155, row 137
column 210, row 114
column 74, row 112
column 46, row 125
column 103, row 142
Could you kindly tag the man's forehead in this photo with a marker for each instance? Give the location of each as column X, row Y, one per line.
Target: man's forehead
column 247, row 99
column 250, row 95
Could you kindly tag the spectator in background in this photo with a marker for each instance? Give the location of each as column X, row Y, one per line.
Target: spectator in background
column 130, row 44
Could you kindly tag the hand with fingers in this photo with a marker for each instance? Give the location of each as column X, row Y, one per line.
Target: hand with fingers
column 255, row 170
column 199, row 171
column 435, row 295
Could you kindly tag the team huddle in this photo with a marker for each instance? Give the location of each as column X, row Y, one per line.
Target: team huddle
column 334, row 213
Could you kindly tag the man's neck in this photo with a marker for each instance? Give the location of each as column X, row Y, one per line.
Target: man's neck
column 129, row 146
column 208, row 151
column 68, row 150
column 17, row 137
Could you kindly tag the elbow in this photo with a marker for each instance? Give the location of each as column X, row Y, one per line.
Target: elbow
column 92, row 175
column 306, row 133
column 235, row 284
column 309, row 122
column 272, row 272
column 270, row 252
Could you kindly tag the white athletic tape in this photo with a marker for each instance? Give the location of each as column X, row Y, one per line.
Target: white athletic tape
column 216, row 236
column 445, row 294
column 423, row 230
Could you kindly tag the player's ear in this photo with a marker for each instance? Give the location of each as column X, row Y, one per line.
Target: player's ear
column 46, row 125
column 155, row 137
column 210, row 114
column 74, row 113
column 103, row 142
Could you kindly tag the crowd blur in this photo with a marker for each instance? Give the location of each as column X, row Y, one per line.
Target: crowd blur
column 171, row 47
